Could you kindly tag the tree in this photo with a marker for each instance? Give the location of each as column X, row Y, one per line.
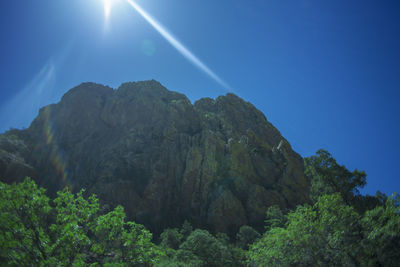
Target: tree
column 381, row 228
column 363, row 203
column 328, row 177
column 74, row 218
column 246, row 236
column 274, row 217
column 24, row 215
column 206, row 248
column 325, row 234
column 171, row 238
column 71, row 233
column 186, row 229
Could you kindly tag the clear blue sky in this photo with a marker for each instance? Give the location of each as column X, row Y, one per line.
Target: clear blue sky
column 325, row 73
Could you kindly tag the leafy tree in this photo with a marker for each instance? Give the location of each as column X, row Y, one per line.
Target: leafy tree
column 341, row 228
column 223, row 238
column 246, row 236
column 238, row 253
column 381, row 227
column 171, row 238
column 186, row 229
column 328, row 177
column 238, row 256
column 24, row 233
column 363, row 203
column 206, row 248
column 324, row 234
column 74, row 216
column 274, row 217
column 71, row 233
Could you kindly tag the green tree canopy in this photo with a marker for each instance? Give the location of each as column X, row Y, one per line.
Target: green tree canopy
column 205, row 247
column 381, row 228
column 70, row 232
column 328, row 177
column 324, row 234
column 246, row 236
column 24, row 228
column 274, row 217
column 332, row 233
column 171, row 238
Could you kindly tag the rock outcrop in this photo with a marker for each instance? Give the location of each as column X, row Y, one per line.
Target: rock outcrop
column 218, row 163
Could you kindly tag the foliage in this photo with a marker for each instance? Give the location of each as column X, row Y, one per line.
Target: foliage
column 208, row 249
column 186, row 229
column 328, row 177
column 363, row 203
column 332, row 233
column 171, row 238
column 24, row 233
column 274, row 217
column 381, row 227
column 324, row 234
column 246, row 236
column 340, row 228
column 71, row 232
column 201, row 248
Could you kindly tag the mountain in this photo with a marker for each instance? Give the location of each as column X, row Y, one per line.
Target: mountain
column 217, row 163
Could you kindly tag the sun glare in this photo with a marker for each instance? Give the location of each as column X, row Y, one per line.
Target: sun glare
column 108, row 5
column 107, row 8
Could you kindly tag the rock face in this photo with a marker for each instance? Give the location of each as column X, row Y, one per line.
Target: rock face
column 217, row 163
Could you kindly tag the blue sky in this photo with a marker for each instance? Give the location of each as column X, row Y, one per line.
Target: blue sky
column 325, row 73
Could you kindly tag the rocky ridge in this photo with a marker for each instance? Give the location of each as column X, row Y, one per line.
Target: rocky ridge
column 217, row 163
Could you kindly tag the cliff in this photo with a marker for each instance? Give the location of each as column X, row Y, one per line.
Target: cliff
column 217, row 163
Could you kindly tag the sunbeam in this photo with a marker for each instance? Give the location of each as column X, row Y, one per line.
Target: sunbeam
column 178, row 45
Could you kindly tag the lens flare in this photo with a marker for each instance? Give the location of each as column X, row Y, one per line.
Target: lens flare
column 58, row 159
column 178, row 46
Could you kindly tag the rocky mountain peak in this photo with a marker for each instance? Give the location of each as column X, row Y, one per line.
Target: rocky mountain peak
column 217, row 163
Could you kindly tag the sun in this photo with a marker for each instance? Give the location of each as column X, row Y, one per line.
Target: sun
column 108, row 4
column 107, row 8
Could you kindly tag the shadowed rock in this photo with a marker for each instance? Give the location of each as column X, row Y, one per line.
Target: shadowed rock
column 217, row 163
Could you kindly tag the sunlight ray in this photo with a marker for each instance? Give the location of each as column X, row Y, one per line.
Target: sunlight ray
column 178, row 45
